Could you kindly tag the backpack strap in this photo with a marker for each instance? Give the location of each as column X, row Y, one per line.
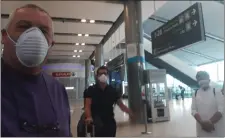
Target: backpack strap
column 196, row 91
column 214, row 92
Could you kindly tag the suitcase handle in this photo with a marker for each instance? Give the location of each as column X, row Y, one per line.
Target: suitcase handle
column 93, row 130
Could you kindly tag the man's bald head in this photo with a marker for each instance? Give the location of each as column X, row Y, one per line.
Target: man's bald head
column 20, row 20
column 32, row 6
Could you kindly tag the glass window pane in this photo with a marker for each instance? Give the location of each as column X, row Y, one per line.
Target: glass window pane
column 221, row 71
column 169, row 80
column 211, row 69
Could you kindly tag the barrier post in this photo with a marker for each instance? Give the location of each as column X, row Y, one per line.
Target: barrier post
column 145, row 113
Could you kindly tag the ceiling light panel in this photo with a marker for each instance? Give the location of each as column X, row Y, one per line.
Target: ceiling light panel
column 83, row 20
column 92, row 21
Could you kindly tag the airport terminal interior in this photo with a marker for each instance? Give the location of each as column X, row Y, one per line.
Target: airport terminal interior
column 165, row 41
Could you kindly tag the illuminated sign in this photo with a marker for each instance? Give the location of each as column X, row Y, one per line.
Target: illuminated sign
column 63, row 74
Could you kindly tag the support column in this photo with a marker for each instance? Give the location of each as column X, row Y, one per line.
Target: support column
column 87, row 72
column 98, row 56
column 135, row 56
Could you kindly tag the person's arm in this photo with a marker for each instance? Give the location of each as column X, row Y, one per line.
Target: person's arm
column 220, row 104
column 194, row 111
column 123, row 107
column 87, row 105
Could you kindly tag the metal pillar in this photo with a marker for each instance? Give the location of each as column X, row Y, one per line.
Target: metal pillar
column 87, row 72
column 135, row 57
column 98, row 56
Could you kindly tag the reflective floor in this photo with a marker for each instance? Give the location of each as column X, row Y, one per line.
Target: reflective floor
column 181, row 124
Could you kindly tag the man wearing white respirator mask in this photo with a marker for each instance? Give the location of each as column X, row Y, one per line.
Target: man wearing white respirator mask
column 34, row 104
column 208, row 108
column 99, row 105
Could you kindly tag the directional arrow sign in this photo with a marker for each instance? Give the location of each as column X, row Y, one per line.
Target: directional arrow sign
column 193, row 11
column 175, row 33
column 194, row 22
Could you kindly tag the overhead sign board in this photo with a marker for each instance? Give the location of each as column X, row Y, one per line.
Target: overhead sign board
column 185, row 29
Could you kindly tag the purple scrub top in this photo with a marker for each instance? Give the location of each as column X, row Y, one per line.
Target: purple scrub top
column 33, row 106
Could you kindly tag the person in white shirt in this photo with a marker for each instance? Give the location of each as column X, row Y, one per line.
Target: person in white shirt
column 208, row 108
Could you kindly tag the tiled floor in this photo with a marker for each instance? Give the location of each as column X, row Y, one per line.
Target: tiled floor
column 181, row 124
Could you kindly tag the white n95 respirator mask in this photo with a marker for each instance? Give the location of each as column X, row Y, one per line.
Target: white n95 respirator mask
column 31, row 47
column 103, row 78
column 204, row 83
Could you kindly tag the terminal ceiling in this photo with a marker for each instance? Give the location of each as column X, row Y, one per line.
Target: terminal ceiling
column 69, row 24
column 67, row 16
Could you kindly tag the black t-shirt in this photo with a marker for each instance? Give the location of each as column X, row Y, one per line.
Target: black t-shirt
column 102, row 101
column 84, row 94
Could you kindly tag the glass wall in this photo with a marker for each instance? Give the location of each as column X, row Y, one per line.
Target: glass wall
column 215, row 70
column 173, row 87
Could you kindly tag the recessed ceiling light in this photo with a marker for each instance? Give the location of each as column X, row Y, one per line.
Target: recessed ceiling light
column 83, row 20
column 79, row 34
column 92, row 21
column 78, row 56
column 83, row 44
column 106, row 62
column 86, row 34
column 75, row 50
column 77, row 44
column 110, row 59
column 80, row 50
column 74, row 56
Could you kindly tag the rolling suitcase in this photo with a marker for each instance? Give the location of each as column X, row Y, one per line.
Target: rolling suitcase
column 90, row 130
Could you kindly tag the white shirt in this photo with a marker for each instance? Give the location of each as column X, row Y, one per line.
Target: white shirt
column 206, row 104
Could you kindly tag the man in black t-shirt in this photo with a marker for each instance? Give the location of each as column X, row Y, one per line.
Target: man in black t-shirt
column 99, row 105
